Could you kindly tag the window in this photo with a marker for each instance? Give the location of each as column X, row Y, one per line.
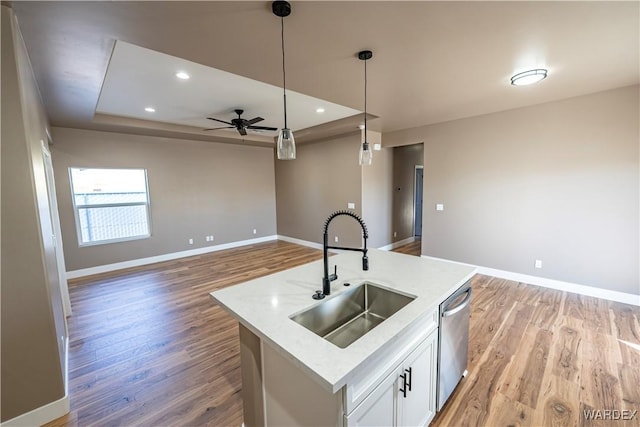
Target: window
column 110, row 205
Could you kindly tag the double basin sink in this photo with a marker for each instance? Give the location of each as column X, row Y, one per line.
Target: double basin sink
column 344, row 318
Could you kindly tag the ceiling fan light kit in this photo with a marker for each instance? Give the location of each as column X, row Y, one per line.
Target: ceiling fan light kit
column 366, row 155
column 286, row 146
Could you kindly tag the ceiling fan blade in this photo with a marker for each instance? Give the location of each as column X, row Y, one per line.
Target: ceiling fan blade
column 252, row 121
column 261, row 128
column 242, row 131
column 221, row 121
column 223, row 127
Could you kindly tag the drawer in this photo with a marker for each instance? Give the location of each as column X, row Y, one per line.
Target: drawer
column 384, row 362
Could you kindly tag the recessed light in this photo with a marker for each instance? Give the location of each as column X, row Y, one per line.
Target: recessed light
column 150, row 110
column 319, row 110
column 529, row 77
column 182, row 75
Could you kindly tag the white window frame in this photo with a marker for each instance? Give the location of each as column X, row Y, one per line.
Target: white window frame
column 76, row 208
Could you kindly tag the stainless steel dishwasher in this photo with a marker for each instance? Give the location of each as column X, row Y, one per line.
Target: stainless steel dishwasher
column 453, row 337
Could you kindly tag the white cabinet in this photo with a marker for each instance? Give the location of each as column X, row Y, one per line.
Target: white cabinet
column 406, row 397
column 379, row 408
column 417, row 404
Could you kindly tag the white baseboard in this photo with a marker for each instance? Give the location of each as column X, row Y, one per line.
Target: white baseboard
column 319, row 245
column 392, row 246
column 559, row 285
column 165, row 257
column 300, row 242
column 41, row 415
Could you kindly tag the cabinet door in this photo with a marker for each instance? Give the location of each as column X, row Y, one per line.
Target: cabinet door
column 379, row 408
column 418, row 407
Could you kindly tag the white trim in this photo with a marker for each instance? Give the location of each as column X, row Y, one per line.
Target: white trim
column 319, row 246
column 166, row 257
column 41, row 415
column 300, row 242
column 392, row 246
column 560, row 285
column 264, row 390
column 415, row 187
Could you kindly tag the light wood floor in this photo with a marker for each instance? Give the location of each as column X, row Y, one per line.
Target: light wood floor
column 149, row 347
column 414, row 248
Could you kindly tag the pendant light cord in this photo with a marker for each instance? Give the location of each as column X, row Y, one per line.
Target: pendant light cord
column 284, row 75
column 365, row 101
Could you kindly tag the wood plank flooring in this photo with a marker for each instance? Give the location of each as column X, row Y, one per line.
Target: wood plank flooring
column 541, row 357
column 148, row 347
column 414, row 248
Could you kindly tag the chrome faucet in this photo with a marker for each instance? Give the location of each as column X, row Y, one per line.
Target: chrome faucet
column 327, row 279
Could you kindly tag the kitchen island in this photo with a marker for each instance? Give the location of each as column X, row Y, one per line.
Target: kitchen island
column 291, row 376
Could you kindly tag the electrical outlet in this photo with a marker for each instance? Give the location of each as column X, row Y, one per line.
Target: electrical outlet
column 335, row 239
column 351, row 205
column 538, row 263
column 191, row 241
column 395, row 234
column 255, row 231
column 439, row 207
column 211, row 238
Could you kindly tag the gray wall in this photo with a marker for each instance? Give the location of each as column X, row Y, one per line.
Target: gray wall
column 558, row 182
column 324, row 177
column 405, row 160
column 196, row 189
column 33, row 329
column 377, row 182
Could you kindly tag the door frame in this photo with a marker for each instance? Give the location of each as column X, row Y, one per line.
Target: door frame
column 415, row 189
column 55, row 223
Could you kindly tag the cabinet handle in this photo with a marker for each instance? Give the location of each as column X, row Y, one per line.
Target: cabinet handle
column 403, row 389
column 406, row 385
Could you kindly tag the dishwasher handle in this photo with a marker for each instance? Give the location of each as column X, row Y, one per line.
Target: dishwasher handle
column 460, row 307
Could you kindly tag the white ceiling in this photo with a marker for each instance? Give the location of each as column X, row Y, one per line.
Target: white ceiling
column 433, row 61
column 137, row 78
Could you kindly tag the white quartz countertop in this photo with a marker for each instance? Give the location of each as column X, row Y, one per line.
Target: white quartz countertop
column 264, row 306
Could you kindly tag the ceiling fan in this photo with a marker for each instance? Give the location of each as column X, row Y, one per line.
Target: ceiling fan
column 241, row 124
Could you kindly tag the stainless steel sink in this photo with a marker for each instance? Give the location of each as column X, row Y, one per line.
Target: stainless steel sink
column 346, row 317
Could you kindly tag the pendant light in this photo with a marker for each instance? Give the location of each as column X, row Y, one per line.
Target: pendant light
column 365, row 150
column 286, row 146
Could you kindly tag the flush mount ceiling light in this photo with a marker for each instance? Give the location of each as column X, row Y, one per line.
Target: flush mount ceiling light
column 182, row 75
column 286, row 146
column 529, row 77
column 150, row 109
column 365, row 149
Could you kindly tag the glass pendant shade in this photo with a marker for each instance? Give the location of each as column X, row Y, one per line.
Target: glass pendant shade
column 286, row 145
column 365, row 154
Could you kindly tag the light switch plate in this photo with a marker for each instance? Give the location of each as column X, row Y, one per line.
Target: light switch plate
column 439, row 207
